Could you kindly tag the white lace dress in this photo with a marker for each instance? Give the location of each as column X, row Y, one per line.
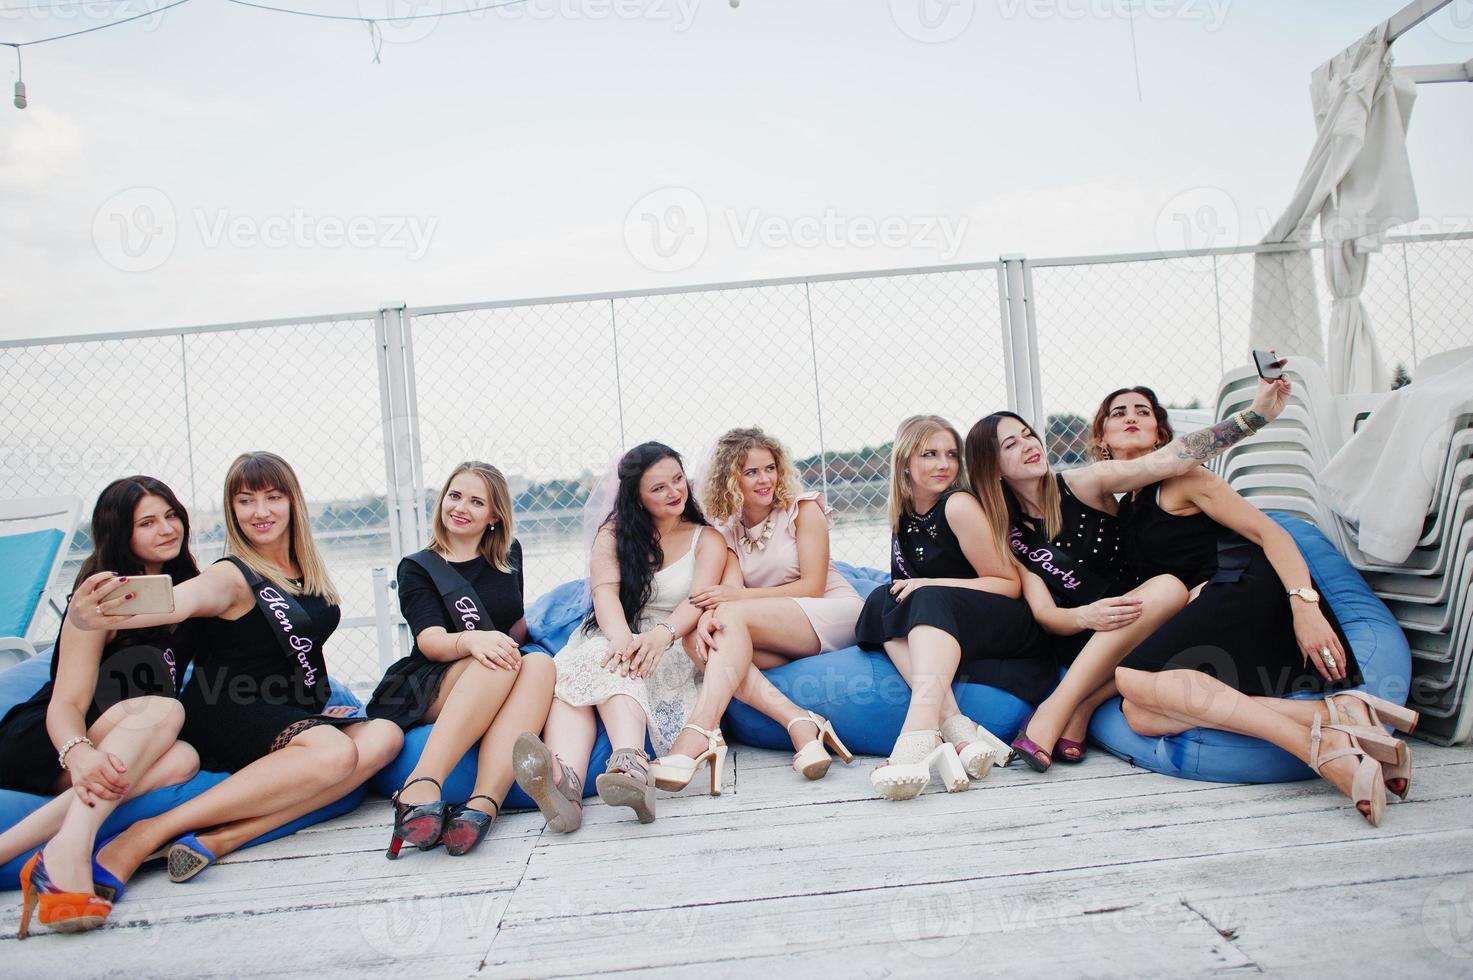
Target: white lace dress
column 669, row 694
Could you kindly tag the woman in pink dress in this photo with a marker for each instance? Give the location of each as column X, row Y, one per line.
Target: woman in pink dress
column 780, row 597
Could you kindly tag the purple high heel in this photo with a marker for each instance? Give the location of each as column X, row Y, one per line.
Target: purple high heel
column 1030, row 750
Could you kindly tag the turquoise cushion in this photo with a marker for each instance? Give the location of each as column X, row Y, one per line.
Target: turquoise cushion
column 21, row 681
column 1223, row 757
column 27, row 559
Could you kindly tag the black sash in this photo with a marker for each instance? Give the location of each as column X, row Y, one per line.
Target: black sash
column 292, row 628
column 462, row 604
column 1071, row 581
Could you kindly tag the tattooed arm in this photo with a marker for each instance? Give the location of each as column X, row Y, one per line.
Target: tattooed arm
column 1179, row 456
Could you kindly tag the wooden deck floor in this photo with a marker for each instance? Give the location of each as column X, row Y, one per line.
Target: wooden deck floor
column 1093, row 870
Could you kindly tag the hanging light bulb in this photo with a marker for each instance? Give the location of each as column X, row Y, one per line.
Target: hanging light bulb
column 20, row 95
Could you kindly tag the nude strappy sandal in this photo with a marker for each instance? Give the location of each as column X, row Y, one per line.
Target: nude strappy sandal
column 626, row 781
column 1367, row 785
column 675, row 772
column 811, row 760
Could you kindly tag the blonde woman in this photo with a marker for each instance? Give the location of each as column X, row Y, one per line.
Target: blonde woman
column 462, row 598
column 780, row 593
column 953, row 610
column 256, row 703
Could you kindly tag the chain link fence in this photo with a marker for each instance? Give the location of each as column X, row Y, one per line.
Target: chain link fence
column 552, row 391
column 180, row 406
column 1177, row 323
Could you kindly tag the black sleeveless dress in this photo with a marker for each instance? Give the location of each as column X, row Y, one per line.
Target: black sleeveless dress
column 1083, row 563
column 412, row 683
column 135, row 663
column 1240, row 629
column 997, row 635
column 244, row 700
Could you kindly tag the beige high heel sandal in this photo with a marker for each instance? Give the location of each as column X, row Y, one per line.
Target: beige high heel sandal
column 1382, row 712
column 675, row 772
column 1394, row 755
column 1367, row 785
column 811, row 760
column 977, row 748
column 908, row 770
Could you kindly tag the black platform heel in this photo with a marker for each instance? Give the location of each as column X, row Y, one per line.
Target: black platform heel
column 467, row 826
column 420, row 824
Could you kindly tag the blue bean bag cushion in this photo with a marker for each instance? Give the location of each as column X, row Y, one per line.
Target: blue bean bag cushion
column 863, row 694
column 550, row 623
column 21, row 681
column 1223, row 757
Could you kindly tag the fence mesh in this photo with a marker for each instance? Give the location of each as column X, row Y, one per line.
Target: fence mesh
column 552, row 392
column 180, row 407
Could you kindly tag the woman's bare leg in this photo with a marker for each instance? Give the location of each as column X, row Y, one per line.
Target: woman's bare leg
column 142, row 730
column 570, row 733
column 625, row 721
column 525, row 710
column 475, row 696
column 899, row 653
column 178, row 764
column 315, row 761
column 377, row 743
column 1162, row 597
column 934, row 658
column 1185, row 699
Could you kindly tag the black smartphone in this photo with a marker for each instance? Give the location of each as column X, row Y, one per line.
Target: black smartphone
column 1270, row 368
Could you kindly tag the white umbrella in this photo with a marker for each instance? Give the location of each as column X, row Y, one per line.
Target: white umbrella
column 1358, row 184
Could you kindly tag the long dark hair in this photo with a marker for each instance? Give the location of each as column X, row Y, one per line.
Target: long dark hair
column 984, row 473
column 112, row 530
column 640, row 555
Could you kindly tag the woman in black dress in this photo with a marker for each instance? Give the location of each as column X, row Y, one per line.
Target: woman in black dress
column 1063, row 530
column 1253, row 631
column 255, row 705
column 462, row 598
column 103, row 729
column 953, row 612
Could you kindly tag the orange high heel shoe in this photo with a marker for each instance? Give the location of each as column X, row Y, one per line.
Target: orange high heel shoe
column 60, row 911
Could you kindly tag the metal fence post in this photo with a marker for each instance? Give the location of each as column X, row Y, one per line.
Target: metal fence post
column 1020, row 339
column 404, row 496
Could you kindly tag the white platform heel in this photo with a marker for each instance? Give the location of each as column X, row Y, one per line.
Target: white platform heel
column 812, row 760
column 978, row 749
column 908, row 770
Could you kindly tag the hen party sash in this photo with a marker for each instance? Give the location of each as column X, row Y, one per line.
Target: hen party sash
column 292, row 628
column 461, row 602
column 1071, row 581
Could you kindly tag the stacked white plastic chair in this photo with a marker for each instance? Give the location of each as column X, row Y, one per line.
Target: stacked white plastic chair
column 1431, row 593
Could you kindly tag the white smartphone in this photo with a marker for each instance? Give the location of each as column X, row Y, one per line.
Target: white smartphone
column 153, row 595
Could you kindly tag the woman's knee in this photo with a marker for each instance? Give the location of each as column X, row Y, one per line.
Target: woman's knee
column 178, row 765
column 1165, row 593
column 151, row 711
column 378, row 743
column 334, row 754
column 537, row 668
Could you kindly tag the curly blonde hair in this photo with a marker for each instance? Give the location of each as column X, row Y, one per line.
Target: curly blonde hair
column 722, row 494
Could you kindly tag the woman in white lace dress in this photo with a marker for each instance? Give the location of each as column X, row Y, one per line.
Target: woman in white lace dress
column 626, row 662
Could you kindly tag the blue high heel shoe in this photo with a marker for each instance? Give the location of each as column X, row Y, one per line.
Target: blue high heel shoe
column 104, row 882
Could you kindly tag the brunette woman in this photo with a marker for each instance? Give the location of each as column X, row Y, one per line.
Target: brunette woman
column 953, row 611
column 462, row 598
column 103, row 729
column 626, row 664
column 1063, row 530
column 256, row 703
column 1254, row 630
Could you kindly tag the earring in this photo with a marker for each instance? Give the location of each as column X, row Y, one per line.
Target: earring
column 491, row 527
column 1105, row 452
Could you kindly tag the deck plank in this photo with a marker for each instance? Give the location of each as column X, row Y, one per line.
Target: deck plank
column 1091, row 870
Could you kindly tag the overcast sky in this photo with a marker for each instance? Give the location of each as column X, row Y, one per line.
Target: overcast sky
column 217, row 163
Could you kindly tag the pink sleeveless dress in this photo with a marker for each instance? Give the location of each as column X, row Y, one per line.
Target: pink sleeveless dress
column 833, row 615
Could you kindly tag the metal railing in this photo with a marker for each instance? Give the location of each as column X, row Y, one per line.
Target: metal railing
column 373, row 408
